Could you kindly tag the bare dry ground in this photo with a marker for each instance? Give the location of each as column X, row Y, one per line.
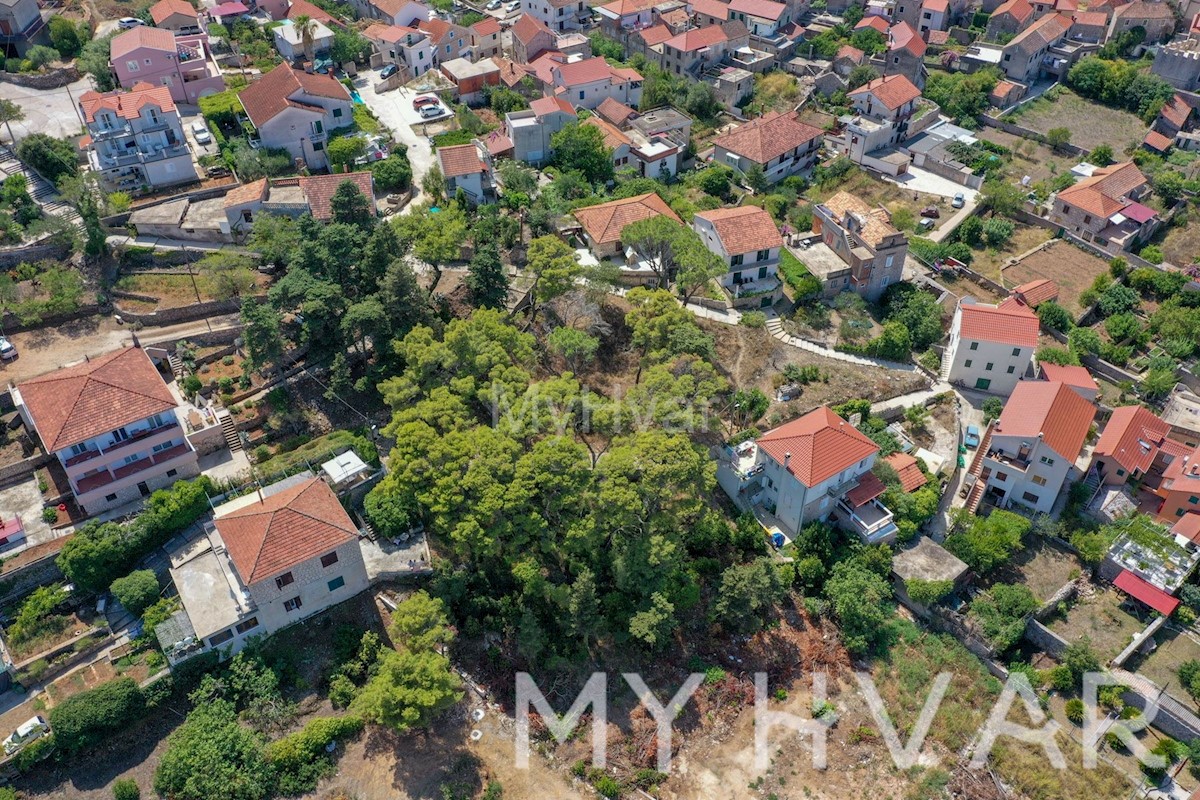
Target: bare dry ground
column 1091, row 124
column 1072, row 268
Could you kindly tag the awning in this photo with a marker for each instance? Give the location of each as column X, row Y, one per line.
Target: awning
column 869, row 487
column 1151, row 595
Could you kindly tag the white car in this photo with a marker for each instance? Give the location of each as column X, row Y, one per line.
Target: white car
column 494, row 4
column 126, row 23
column 7, row 351
column 201, row 133
column 959, row 200
column 513, row 6
column 429, row 112
column 33, row 728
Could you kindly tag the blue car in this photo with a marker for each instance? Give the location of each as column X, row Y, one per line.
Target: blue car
column 972, row 437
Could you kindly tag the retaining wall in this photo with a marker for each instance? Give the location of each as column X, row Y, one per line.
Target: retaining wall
column 31, row 568
column 1039, row 635
column 50, row 79
column 34, row 251
column 172, row 316
column 11, row 473
column 1027, row 133
column 12, row 325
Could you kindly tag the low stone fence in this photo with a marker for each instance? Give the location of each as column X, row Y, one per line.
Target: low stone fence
column 37, row 250
column 64, row 657
column 13, row 325
column 203, row 339
column 33, row 567
column 1039, row 635
column 1028, row 133
column 50, row 79
column 11, row 473
column 172, row 316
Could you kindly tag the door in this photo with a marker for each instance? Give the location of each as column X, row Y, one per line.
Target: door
column 983, row 383
column 144, row 489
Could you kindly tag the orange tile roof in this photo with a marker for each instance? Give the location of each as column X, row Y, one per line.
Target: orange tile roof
column 939, row 37
column 299, row 8
column 1103, row 194
column 936, row 5
column 1036, row 292
column 850, row 52
column 1176, row 111
column 319, row 189
column 141, row 36
column 527, row 27
column 127, row 105
column 891, row 90
column 711, row 8
column 1188, row 527
column 697, row 39
column 768, row 137
column 389, row 33
column 874, row 21
column 1051, row 410
column 1020, row 10
column 278, row 533
column 605, row 222
column 907, row 469
column 876, row 222
column 1156, row 141
column 264, row 99
column 623, row 7
column 460, row 159
column 165, row 8
column 589, row 70
column 821, row 445
column 1042, row 33
column 1132, row 437
column 1095, row 19
column 1071, row 375
column 1014, row 324
column 743, row 229
column 763, row 9
column 1183, row 473
column 246, row 193
column 903, row 36
column 77, row 403
column 548, row 105
column 613, row 138
column 1143, row 10
column 868, row 488
column 487, row 26
column 615, row 111
column 655, row 35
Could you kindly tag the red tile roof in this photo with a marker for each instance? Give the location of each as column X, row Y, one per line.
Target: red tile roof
column 605, row 222
column 1050, row 410
column 869, row 487
column 1148, row 593
column 389, row 33
column 711, row 8
column 821, row 445
column 1188, row 527
column 1077, row 377
column 460, row 159
column 743, row 229
column 763, row 9
column 1015, row 325
column 246, row 193
column 264, row 99
column 655, row 34
column 527, row 27
column 615, row 111
column 165, row 8
column 936, row 5
column 1036, row 292
column 589, row 70
column 850, row 52
column 1176, row 111
column 282, row 531
column 548, row 105
column 891, row 90
column 1157, row 142
column 1132, row 438
column 1094, row 19
column 139, row 37
column 768, row 137
column 77, row 403
column 907, row 469
column 1042, row 33
column 697, row 39
column 613, row 138
column 903, row 36
column 1104, row 193
column 939, row 37
column 874, row 21
column 1020, row 10
column 486, row 26
column 127, row 105
column 319, row 190
column 1144, row 10
column 303, row 8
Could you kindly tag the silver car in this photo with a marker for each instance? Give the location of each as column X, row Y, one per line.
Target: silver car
column 201, row 133
column 31, row 729
column 7, row 350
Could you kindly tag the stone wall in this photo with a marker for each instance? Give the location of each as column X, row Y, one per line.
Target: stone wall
column 12, row 325
column 1027, row 133
column 172, row 316
column 34, row 251
column 29, row 569
column 50, row 79
column 1039, row 635
column 11, row 473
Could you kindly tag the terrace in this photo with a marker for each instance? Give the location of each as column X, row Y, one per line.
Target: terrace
column 102, row 478
column 1151, row 552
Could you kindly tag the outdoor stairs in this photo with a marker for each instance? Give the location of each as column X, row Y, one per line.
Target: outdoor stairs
column 775, row 327
column 976, row 495
column 944, row 371
column 41, row 190
column 232, row 437
column 176, row 366
column 1092, row 482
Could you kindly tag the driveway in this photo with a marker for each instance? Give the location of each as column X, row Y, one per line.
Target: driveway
column 920, row 180
column 188, row 115
column 24, row 499
column 51, row 111
column 390, row 107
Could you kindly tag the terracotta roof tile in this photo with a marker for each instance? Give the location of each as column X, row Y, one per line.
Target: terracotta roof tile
column 460, row 159
column 282, row 531
column 869, row 487
column 852, row 53
column 76, row 403
column 1132, row 438
column 165, row 8
column 589, row 70
column 1036, row 292
column 1042, row 33
column 605, row 222
column 1188, row 527
column 1176, row 111
column 768, row 137
column 903, row 36
column 1077, row 377
column 127, row 105
column 527, row 27
column 1144, row 10
column 273, row 92
column 936, row 5
column 548, row 105
column 891, row 90
column 876, row 222
column 821, row 444
column 939, row 37
column 697, row 39
column 615, row 111
column 1015, row 324
column 623, row 7
column 907, row 469
column 486, row 27
column 874, row 21
column 712, row 8
column 1104, row 193
column 613, row 138
column 390, row 33
column 1020, row 10
column 1093, row 19
column 319, row 189
column 1157, row 142
column 303, row 8
column 1051, row 409
column 655, row 35
column 763, row 9
column 142, row 36
column 743, row 229
column 246, row 193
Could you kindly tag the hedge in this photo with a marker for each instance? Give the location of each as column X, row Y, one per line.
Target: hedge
column 300, row 759
column 83, row 720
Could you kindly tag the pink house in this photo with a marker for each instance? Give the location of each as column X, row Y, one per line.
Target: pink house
column 183, row 64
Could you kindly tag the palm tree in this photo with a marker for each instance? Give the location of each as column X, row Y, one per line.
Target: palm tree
column 306, row 25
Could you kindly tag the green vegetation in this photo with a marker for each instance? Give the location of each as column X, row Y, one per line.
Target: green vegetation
column 137, row 591
column 796, row 275
column 1001, row 614
column 84, row 720
column 1120, row 84
column 985, row 543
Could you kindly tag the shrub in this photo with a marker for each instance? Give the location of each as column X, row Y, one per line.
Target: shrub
column 126, row 789
column 84, row 719
column 300, row 759
column 1074, row 710
column 192, row 385
column 137, row 591
column 49, row 514
column 754, row 319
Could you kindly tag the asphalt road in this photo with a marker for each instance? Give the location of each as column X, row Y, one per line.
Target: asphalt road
column 52, row 111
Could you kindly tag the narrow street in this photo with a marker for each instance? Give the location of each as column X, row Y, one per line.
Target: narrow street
column 387, row 108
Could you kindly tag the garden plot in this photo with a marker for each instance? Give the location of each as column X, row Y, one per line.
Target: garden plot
column 1100, row 618
column 1090, row 124
column 1173, row 647
column 1042, row 567
column 1072, row 268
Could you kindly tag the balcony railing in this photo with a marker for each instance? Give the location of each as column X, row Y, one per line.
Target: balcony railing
column 1008, row 460
column 101, row 479
column 141, row 436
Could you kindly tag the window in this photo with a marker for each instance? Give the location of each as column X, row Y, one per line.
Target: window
column 763, row 255
column 1049, row 462
column 171, row 473
column 1039, row 480
column 248, row 625
column 989, row 366
column 318, row 146
column 762, row 272
column 337, row 583
column 329, row 559
column 220, row 638
column 1193, row 500
column 337, row 112
column 1001, row 476
column 292, row 605
column 1087, row 219
column 108, row 498
column 447, row 48
column 580, row 94
column 974, row 345
column 167, row 445
column 1011, row 370
column 889, row 261
column 1030, row 497
column 1121, row 473
column 284, row 579
column 132, row 66
column 1066, row 209
column 737, row 260
column 132, row 458
column 1016, row 351
column 1179, row 512
column 967, row 363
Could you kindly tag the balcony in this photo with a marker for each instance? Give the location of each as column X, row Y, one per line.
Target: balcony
column 1017, row 462
column 82, row 457
column 872, row 521
column 101, row 479
column 141, row 436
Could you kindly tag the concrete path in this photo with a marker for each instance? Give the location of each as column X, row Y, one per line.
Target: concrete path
column 921, row 180
column 775, row 326
column 163, row 243
column 912, row 398
column 387, row 107
column 959, row 217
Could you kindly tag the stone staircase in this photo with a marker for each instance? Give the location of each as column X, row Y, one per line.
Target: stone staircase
column 176, row 366
column 232, row 437
column 976, row 495
column 1092, row 481
column 41, row 190
column 947, row 362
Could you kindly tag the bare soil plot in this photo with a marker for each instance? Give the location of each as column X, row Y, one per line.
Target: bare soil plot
column 1030, row 158
column 1072, row 268
column 1043, row 567
column 1091, row 124
column 990, row 262
column 1100, row 618
column 1174, row 646
column 1181, row 246
column 176, row 290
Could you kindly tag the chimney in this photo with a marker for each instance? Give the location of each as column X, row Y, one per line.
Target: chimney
column 787, row 460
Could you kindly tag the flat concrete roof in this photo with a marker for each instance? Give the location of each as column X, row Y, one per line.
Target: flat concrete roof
column 927, row 561
column 169, row 213
column 461, row 68
column 1183, row 411
column 205, row 214
column 820, row 260
column 207, row 585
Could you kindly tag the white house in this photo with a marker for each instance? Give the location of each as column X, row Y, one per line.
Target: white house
column 289, row 40
column 586, row 83
column 883, row 108
column 406, row 47
column 990, row 347
column 295, row 110
column 816, row 467
column 136, row 138
column 748, row 242
column 464, row 167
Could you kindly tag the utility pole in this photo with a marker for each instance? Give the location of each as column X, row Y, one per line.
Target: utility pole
column 192, row 274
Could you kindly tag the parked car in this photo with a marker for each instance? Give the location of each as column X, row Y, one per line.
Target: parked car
column 931, row 211
column 513, row 6
column 493, row 5
column 29, row 730
column 972, row 437
column 388, row 71
column 959, row 200
column 201, row 133
column 425, row 100
column 7, row 351
column 926, row 224
column 126, row 23
column 429, row 112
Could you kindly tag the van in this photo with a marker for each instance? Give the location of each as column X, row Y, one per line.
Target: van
column 31, row 729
